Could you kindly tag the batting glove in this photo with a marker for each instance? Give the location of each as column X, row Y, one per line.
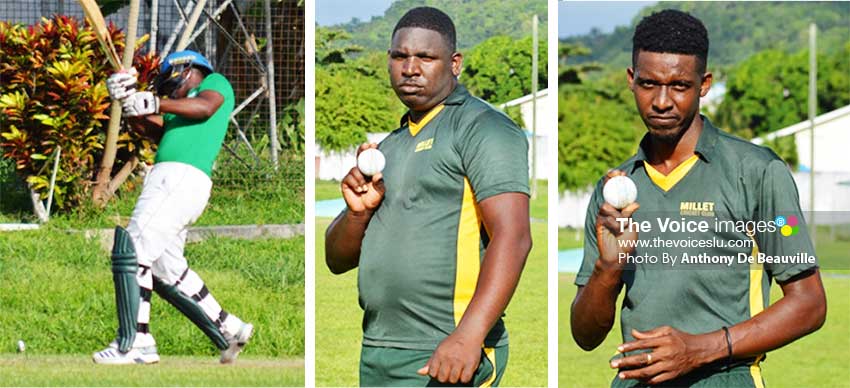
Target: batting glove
column 122, row 84
column 140, row 104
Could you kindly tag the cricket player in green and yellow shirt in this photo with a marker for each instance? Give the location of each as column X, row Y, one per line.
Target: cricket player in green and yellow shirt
column 695, row 311
column 442, row 234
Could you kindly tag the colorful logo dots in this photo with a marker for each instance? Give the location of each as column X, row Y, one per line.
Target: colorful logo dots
column 787, row 225
column 792, row 220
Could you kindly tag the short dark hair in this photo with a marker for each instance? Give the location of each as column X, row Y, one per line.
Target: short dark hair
column 432, row 19
column 671, row 31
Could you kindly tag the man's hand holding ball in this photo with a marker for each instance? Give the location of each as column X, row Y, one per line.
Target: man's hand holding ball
column 362, row 190
column 620, row 193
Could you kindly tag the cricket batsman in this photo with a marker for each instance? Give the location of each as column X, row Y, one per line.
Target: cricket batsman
column 698, row 323
column 188, row 115
column 441, row 236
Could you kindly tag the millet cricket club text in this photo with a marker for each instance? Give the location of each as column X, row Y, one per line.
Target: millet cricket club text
column 682, row 225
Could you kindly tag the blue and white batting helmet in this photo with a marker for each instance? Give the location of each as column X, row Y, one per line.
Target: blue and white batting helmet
column 171, row 70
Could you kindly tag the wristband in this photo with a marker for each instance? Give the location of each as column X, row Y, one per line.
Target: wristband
column 728, row 342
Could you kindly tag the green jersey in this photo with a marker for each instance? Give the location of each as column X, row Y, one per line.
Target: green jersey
column 712, row 239
column 423, row 247
column 197, row 142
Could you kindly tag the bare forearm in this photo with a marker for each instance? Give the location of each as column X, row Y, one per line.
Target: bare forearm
column 505, row 217
column 801, row 311
column 594, row 308
column 345, row 234
column 200, row 107
column 500, row 273
column 343, row 239
column 189, row 108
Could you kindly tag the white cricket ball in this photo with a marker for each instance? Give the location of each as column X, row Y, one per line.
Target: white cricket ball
column 21, row 346
column 371, row 161
column 619, row 191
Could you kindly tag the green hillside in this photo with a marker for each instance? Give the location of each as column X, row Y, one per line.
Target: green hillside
column 758, row 54
column 475, row 20
column 351, row 64
column 736, row 29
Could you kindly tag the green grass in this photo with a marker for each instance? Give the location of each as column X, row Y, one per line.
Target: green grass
column 327, row 190
column 338, row 317
column 36, row 370
column 56, row 289
column 832, row 246
column 569, row 238
column 817, row 360
column 538, row 207
column 56, row 294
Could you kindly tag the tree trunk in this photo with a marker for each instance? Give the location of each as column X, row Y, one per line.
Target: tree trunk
column 101, row 192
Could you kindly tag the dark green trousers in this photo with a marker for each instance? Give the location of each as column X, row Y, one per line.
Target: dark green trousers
column 733, row 378
column 391, row 367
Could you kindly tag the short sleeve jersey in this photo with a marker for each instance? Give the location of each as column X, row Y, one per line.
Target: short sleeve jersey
column 197, row 142
column 733, row 182
column 423, row 247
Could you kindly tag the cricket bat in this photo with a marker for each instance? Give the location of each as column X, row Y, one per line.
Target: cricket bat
column 92, row 11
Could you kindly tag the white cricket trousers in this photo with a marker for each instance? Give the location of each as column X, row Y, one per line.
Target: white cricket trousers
column 174, row 195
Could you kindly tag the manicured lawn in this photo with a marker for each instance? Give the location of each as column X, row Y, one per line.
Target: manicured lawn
column 50, row 370
column 56, row 294
column 569, row 238
column 327, row 190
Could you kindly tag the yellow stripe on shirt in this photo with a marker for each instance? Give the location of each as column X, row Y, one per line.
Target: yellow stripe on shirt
column 468, row 253
column 416, row 127
column 491, row 355
column 756, row 306
column 666, row 182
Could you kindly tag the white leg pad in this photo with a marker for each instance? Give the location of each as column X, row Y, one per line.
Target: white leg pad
column 211, row 307
column 144, row 312
column 145, row 278
column 191, row 284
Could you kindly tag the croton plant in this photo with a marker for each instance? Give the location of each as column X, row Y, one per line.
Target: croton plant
column 53, row 93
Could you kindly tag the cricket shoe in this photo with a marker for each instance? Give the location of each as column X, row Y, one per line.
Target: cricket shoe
column 142, row 352
column 236, row 343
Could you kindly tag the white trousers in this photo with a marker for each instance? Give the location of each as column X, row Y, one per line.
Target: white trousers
column 174, row 196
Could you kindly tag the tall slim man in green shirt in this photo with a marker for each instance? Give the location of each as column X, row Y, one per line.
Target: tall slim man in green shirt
column 695, row 311
column 441, row 236
column 148, row 256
